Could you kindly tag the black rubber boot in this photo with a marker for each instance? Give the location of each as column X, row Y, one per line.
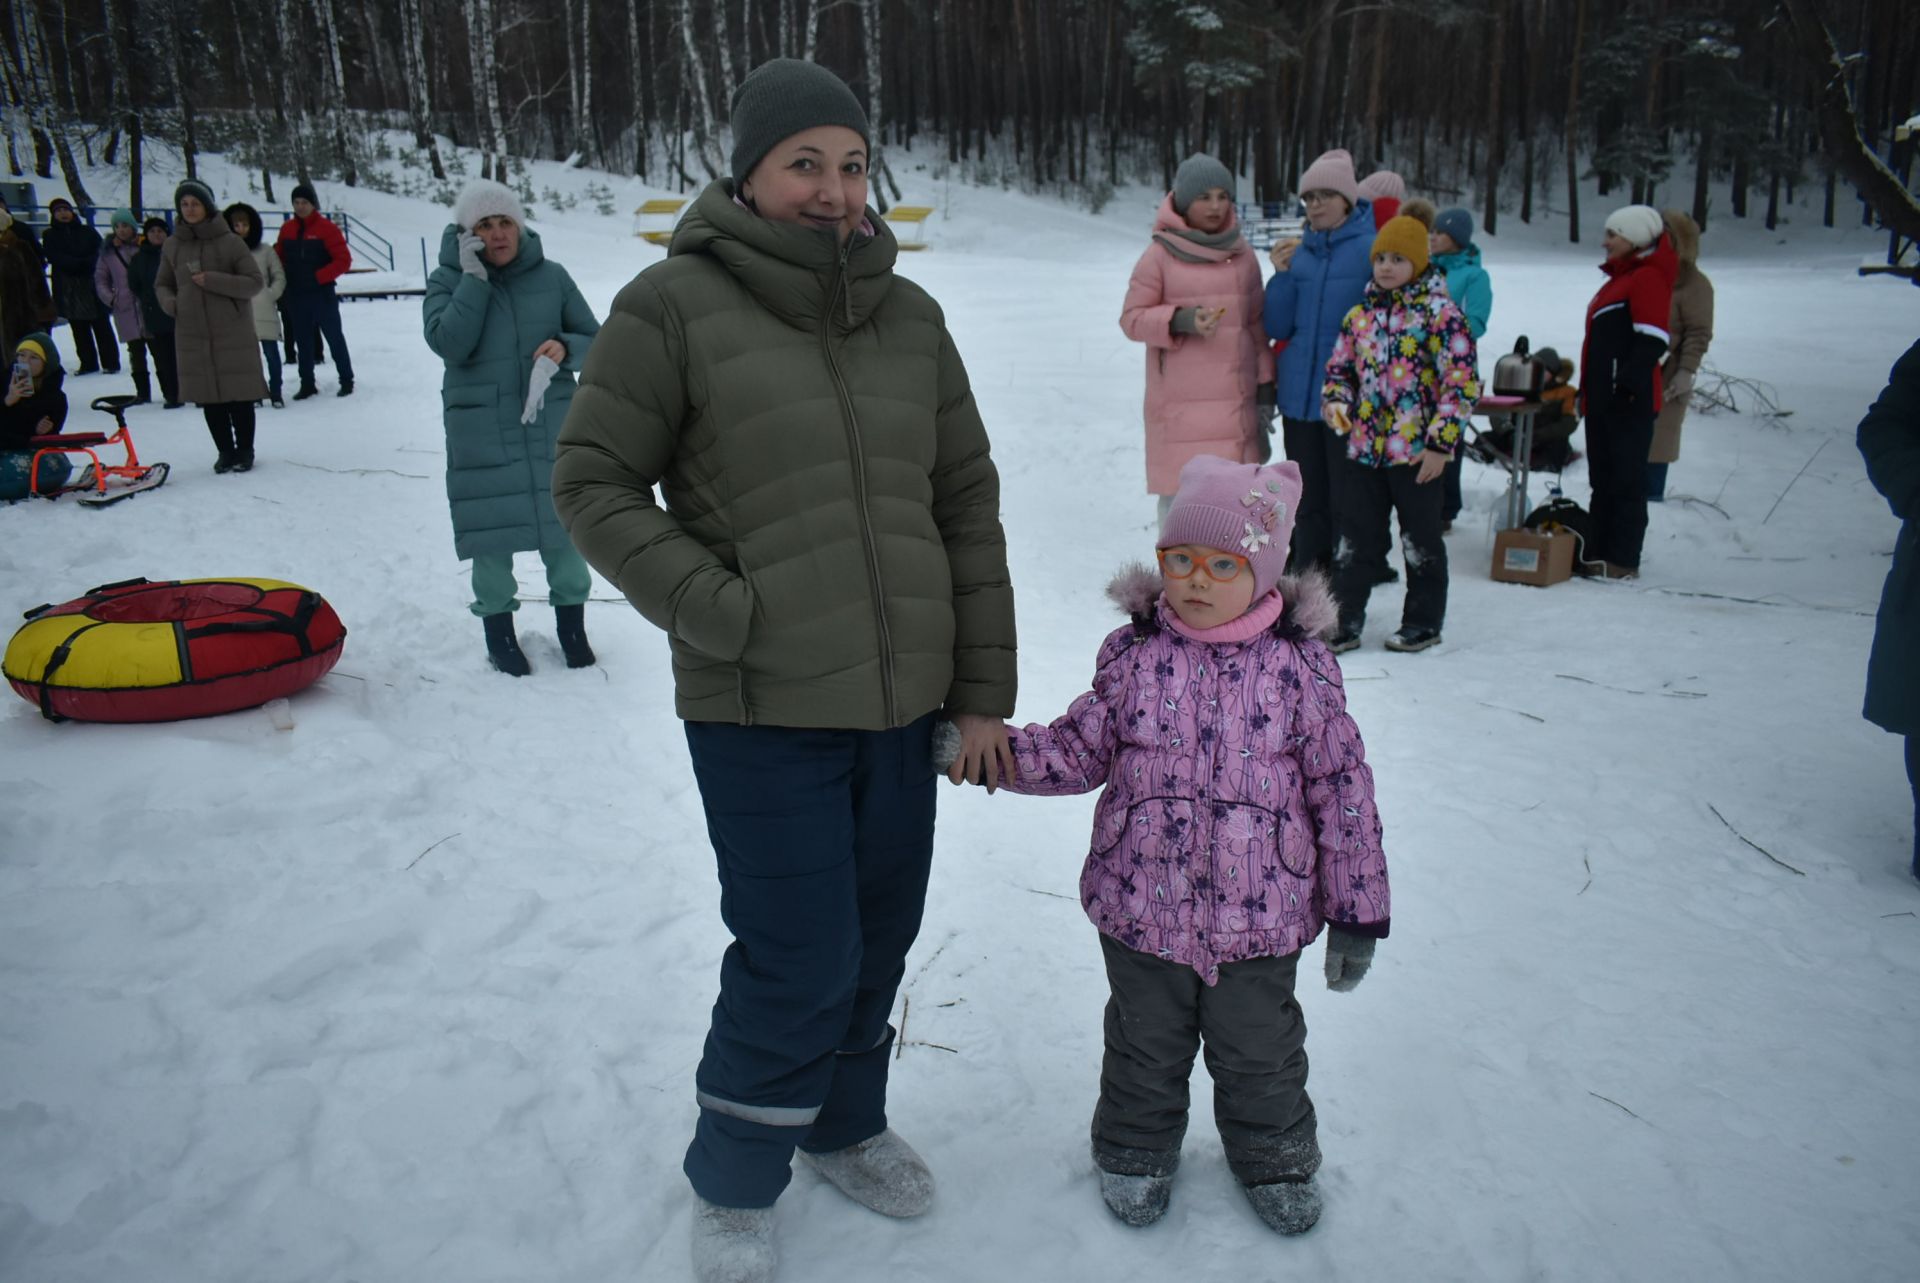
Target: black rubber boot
column 571, row 623
column 503, row 648
column 143, row 387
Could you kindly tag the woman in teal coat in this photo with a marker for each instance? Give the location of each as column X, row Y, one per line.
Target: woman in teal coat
column 513, row 330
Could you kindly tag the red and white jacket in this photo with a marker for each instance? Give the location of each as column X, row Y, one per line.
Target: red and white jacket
column 1627, row 333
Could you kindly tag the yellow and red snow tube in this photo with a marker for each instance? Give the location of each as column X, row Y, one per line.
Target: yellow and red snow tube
column 139, row 651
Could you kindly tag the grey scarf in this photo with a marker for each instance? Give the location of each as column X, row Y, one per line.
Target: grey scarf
column 1226, row 238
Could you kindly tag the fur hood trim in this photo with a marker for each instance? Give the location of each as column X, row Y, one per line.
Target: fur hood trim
column 1686, row 236
column 1310, row 606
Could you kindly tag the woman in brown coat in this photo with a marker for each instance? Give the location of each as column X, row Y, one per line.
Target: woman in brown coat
column 1690, row 330
column 207, row 281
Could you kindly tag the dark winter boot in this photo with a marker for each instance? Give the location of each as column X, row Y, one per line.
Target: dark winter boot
column 142, row 387
column 503, row 648
column 1287, row 1207
column 1136, row 1184
column 304, row 391
column 571, row 623
column 346, row 388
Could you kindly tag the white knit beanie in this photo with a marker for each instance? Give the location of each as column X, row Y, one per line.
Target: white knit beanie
column 484, row 198
column 1383, row 182
column 1640, row 224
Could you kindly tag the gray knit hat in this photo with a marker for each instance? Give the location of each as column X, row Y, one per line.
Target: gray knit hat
column 1198, row 174
column 1457, row 223
column 782, row 97
column 194, row 187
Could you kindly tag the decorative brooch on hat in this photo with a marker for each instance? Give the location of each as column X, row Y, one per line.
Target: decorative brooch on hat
column 1267, row 514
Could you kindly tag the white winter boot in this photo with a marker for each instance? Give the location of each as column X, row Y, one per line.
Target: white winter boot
column 1288, row 1207
column 1136, row 1200
column 732, row 1244
column 881, row 1172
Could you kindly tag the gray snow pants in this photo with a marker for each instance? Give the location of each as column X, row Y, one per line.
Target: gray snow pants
column 1158, row 1016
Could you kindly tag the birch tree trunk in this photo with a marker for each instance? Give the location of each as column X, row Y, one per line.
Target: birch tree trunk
column 701, row 118
column 876, row 124
column 641, row 143
column 589, row 131
column 480, row 31
column 810, row 30
column 577, row 122
column 330, row 36
column 32, row 77
column 727, row 79
column 413, row 53
column 1496, row 145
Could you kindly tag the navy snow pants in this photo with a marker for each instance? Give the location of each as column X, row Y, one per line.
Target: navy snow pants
column 824, row 839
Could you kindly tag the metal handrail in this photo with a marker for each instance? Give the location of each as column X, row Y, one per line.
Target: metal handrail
column 376, row 248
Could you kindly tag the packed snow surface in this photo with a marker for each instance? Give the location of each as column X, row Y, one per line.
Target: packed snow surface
column 413, row 987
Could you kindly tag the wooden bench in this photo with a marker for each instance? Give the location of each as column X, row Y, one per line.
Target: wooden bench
column 917, row 215
column 661, row 207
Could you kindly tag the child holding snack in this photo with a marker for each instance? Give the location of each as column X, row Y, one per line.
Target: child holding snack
column 1401, row 388
column 1237, row 819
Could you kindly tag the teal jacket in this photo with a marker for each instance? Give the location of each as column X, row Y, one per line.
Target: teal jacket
column 499, row 470
column 1469, row 286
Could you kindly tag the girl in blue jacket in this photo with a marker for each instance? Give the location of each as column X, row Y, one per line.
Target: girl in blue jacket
column 1317, row 280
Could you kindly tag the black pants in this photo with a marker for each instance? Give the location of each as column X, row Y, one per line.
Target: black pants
column 165, row 368
column 137, row 362
column 1159, row 1014
column 94, row 343
column 1617, row 447
column 1318, row 450
column 1450, row 508
column 1368, row 499
column 315, row 315
column 231, row 426
column 1913, row 782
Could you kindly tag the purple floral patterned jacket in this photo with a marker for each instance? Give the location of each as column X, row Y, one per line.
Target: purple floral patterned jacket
column 1238, row 814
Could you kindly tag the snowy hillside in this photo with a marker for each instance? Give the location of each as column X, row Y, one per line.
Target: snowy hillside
column 414, row 990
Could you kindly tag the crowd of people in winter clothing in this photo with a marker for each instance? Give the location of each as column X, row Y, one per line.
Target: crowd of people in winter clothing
column 177, row 294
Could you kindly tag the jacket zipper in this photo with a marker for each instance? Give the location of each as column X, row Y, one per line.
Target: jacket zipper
column 1207, row 794
column 859, row 475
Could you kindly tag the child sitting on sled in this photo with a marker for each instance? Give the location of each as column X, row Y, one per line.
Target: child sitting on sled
column 35, row 405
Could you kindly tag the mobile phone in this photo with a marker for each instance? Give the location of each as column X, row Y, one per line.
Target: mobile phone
column 21, row 374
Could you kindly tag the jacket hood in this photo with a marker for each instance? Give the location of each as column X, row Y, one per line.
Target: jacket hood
column 1309, row 604
column 790, row 269
column 1661, row 260
column 1359, row 223
column 252, row 238
column 531, row 254
column 1685, row 234
column 52, row 373
column 210, row 228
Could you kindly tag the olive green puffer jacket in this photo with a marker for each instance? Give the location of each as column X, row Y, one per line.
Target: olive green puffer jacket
column 826, row 546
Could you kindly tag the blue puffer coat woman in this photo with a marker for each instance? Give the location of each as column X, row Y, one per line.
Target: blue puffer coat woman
column 1305, row 304
column 493, row 305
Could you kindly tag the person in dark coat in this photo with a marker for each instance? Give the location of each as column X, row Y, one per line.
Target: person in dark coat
column 315, row 255
column 73, row 251
column 24, row 306
column 155, row 319
column 1890, row 442
column 35, row 405
column 1621, row 387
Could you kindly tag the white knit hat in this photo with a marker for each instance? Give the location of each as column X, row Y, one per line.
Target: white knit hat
column 1640, row 224
column 484, row 198
column 1383, row 182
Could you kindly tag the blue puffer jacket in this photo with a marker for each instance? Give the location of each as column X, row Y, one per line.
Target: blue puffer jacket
column 1469, row 286
column 1305, row 305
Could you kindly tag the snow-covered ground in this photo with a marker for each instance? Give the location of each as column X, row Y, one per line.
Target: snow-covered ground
column 414, row 990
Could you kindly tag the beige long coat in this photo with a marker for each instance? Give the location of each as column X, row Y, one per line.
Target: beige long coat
column 1689, row 332
column 213, row 336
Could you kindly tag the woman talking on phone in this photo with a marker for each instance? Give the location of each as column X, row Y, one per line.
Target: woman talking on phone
column 1195, row 301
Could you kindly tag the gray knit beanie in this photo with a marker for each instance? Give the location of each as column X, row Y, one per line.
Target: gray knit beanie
column 194, row 187
column 1197, row 175
column 783, row 97
column 1457, row 223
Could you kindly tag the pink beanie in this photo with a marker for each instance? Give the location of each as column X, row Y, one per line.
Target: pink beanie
column 1332, row 172
column 1246, row 508
column 1383, row 182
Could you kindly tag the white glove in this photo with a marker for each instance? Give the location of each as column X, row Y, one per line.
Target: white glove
column 544, row 368
column 470, row 248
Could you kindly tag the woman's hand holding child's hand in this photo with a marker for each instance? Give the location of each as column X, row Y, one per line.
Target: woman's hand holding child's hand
column 1348, row 957
column 1432, row 464
column 983, row 755
column 1337, row 417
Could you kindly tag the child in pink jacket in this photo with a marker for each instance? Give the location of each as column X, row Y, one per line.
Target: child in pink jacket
column 1195, row 300
column 1237, row 820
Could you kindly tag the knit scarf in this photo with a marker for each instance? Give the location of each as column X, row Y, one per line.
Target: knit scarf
column 1259, row 617
column 1226, row 238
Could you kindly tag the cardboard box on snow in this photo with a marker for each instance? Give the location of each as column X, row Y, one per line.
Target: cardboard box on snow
column 1523, row 556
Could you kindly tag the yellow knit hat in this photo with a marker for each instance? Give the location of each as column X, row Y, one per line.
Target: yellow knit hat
column 1406, row 237
column 33, row 346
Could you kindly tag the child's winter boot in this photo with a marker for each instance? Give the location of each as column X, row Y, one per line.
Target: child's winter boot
column 1288, row 1207
column 571, row 623
column 881, row 1172
column 1137, row 1184
column 503, row 648
column 732, row 1244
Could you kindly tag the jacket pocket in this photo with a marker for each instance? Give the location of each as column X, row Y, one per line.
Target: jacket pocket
column 472, row 417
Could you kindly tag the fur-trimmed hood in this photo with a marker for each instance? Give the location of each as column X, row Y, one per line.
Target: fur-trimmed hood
column 1309, row 605
column 1686, row 236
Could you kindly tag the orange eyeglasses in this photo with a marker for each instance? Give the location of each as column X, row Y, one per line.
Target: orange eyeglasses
column 1221, row 567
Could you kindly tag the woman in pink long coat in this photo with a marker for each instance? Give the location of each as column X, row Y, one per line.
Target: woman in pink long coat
column 1195, row 301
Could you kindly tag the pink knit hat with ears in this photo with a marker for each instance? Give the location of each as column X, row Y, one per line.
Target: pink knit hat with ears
column 1332, row 172
column 1246, row 508
column 1382, row 182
